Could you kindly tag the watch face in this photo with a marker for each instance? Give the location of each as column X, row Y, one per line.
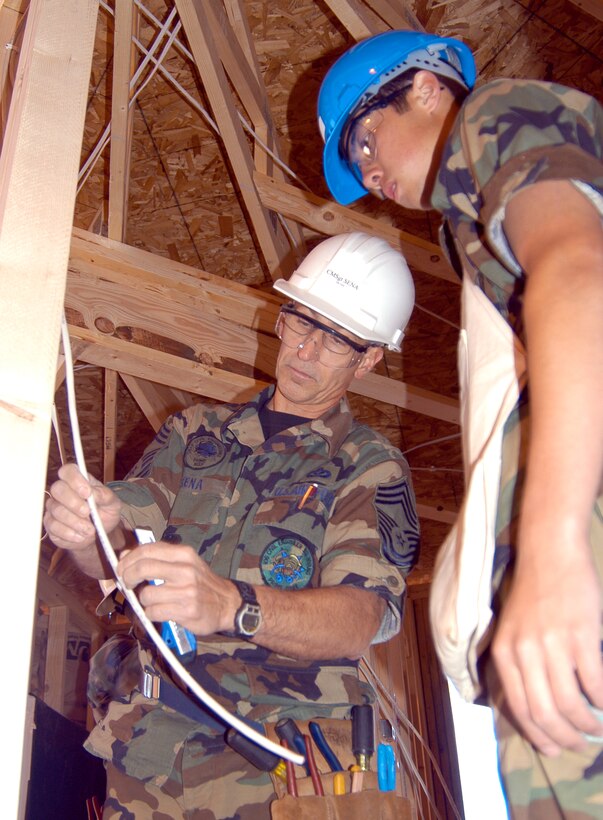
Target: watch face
column 250, row 620
column 249, row 615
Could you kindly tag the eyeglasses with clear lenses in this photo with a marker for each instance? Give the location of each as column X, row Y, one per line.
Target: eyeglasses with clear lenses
column 294, row 329
column 360, row 145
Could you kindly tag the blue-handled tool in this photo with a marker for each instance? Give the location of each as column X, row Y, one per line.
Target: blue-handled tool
column 324, row 748
column 386, row 767
column 179, row 639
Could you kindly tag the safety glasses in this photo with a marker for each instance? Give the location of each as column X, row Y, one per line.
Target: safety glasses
column 295, row 329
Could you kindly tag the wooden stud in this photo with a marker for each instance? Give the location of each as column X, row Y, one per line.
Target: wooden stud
column 110, row 424
column 37, row 188
column 121, row 120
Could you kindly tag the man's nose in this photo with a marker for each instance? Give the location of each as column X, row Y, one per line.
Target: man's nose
column 310, row 347
column 372, row 176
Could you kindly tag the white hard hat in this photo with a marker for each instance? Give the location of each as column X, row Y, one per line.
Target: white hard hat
column 358, row 281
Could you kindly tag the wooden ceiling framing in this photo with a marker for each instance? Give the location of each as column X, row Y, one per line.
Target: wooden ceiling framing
column 226, row 345
column 200, row 183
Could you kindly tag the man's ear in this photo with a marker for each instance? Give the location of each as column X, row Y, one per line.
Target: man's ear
column 370, row 360
column 426, row 90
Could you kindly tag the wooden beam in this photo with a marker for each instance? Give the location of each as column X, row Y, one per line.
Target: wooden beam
column 405, row 395
column 55, row 672
column 396, row 15
column 38, row 177
column 592, row 7
column 218, row 320
column 437, row 513
column 223, row 385
column 237, row 14
column 199, row 30
column 60, row 373
column 121, row 120
column 154, row 365
column 328, row 217
column 111, row 305
column 237, row 51
column 204, row 293
column 156, row 401
column 11, row 20
column 359, row 20
column 246, row 82
column 53, row 593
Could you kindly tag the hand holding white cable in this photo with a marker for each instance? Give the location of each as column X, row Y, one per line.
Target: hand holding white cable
column 109, row 552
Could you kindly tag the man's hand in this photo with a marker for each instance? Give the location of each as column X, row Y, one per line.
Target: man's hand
column 192, row 594
column 67, row 516
column 547, row 648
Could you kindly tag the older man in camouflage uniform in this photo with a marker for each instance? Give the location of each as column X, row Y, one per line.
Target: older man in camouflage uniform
column 287, row 500
column 515, row 168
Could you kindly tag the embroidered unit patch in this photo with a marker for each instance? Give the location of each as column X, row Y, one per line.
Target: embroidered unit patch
column 203, row 452
column 287, row 564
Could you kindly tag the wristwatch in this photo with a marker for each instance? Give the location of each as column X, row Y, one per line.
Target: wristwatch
column 248, row 617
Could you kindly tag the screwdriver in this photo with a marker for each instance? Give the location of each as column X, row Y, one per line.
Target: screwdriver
column 261, row 758
column 363, row 735
column 286, row 729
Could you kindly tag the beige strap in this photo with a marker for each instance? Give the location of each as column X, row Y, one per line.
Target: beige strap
column 492, row 372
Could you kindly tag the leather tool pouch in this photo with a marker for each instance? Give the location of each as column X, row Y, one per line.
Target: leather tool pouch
column 374, row 804
column 368, row 803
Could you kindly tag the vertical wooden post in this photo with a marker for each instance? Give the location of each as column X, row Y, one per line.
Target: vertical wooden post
column 56, row 650
column 110, row 424
column 38, row 175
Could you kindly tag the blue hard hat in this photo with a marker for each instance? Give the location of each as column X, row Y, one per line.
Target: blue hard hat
column 358, row 75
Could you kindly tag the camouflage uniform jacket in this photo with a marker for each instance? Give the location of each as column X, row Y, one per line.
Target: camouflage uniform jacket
column 510, row 134
column 325, row 503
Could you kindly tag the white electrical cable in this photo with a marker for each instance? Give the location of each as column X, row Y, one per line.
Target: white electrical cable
column 378, row 685
column 430, row 442
column 167, row 653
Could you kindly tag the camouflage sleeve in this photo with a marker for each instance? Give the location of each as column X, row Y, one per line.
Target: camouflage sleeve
column 519, row 132
column 150, row 487
column 372, row 539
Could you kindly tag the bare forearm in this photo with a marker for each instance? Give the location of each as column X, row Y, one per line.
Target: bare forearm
column 324, row 623
column 319, row 624
column 564, row 322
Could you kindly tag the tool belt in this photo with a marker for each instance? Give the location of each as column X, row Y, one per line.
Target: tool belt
column 368, row 802
column 125, row 663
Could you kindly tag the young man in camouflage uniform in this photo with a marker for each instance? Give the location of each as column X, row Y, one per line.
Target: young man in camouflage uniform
column 515, row 168
column 286, row 501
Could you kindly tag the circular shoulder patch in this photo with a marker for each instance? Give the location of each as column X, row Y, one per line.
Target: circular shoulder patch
column 287, row 564
column 202, row 452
